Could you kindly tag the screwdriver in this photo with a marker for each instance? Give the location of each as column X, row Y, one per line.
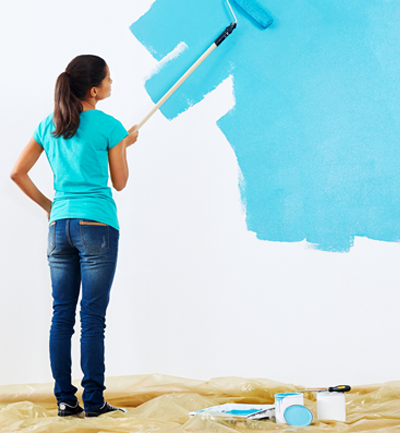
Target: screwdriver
column 339, row 388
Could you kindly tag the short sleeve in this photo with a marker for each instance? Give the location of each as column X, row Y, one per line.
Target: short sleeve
column 38, row 134
column 41, row 132
column 116, row 132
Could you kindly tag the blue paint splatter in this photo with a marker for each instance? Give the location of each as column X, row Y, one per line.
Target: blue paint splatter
column 316, row 123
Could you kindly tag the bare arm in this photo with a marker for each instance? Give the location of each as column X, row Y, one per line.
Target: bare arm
column 19, row 175
column 118, row 163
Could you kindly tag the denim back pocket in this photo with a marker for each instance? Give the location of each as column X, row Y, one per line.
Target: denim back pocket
column 51, row 238
column 95, row 236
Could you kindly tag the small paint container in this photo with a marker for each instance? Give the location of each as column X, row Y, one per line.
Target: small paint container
column 331, row 406
column 283, row 401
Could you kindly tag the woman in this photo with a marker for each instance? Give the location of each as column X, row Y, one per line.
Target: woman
column 80, row 143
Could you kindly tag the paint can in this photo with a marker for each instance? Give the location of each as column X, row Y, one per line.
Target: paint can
column 283, row 401
column 331, row 406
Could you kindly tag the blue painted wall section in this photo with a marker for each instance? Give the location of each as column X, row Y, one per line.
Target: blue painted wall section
column 316, row 125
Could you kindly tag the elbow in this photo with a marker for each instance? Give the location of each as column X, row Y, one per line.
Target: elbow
column 119, row 182
column 14, row 175
column 119, row 186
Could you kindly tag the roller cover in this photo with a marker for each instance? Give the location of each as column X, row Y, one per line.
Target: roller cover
column 257, row 12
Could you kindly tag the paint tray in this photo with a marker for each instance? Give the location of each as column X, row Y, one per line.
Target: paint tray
column 249, row 411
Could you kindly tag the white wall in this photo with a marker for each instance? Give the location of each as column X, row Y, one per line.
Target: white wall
column 195, row 294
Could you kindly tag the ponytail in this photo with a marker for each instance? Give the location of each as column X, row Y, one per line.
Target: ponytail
column 72, row 87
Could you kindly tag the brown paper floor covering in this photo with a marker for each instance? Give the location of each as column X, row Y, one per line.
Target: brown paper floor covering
column 161, row 403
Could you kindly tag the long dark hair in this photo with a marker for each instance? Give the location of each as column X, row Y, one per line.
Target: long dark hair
column 72, row 86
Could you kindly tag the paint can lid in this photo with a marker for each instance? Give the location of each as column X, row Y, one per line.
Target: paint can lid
column 331, row 395
column 298, row 415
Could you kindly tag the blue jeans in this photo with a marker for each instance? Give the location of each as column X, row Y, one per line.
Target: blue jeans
column 80, row 250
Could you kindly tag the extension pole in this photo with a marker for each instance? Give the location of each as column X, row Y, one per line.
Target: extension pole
column 217, row 42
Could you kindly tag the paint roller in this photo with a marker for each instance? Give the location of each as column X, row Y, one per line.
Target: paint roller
column 258, row 14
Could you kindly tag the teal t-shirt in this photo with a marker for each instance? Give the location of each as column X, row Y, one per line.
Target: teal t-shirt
column 80, row 167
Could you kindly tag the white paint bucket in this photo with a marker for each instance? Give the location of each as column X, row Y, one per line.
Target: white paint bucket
column 283, row 401
column 331, row 406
